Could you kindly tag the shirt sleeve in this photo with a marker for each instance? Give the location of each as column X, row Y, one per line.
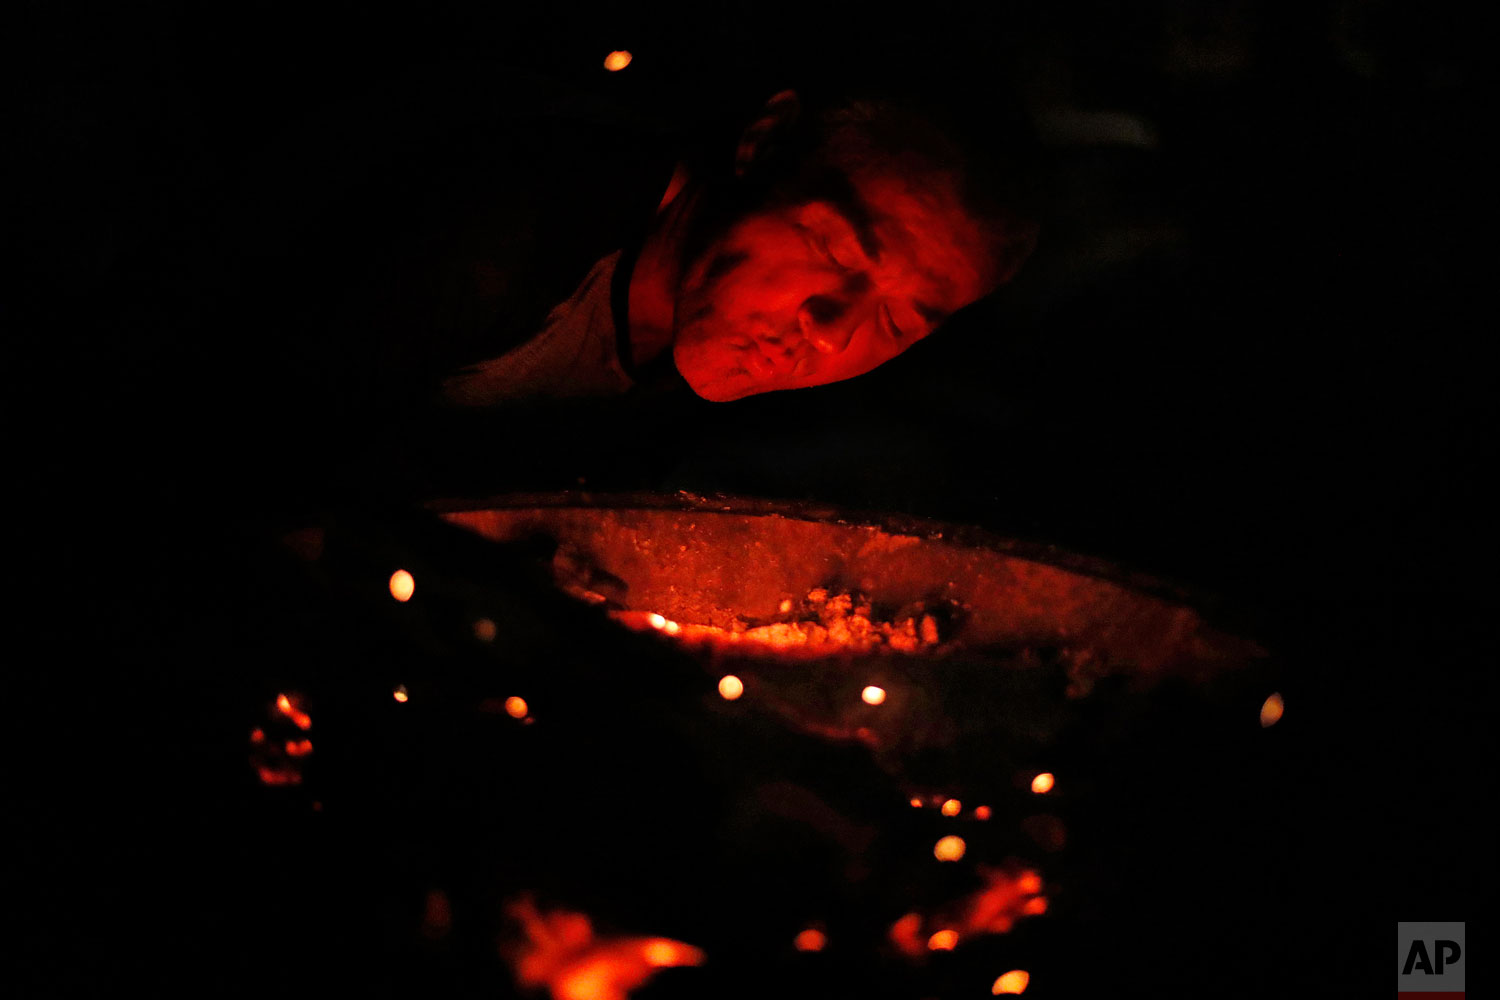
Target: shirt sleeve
column 574, row 356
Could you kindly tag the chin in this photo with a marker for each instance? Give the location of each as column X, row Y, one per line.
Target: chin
column 721, row 390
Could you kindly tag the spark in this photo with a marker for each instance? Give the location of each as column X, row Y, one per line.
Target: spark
column 981, row 812
column 1042, row 783
column 291, row 711
column 873, row 695
column 617, row 60
column 516, row 707
column 1014, row 981
column 811, row 939
column 950, row 848
column 944, row 940
column 1270, row 712
column 400, row 694
column 952, row 807
column 731, row 687
column 402, row 585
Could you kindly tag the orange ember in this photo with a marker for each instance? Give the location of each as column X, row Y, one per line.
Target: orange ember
column 617, row 60
column 916, row 803
column 1014, row 981
column 1270, row 712
column 290, row 709
column 561, row 952
column 811, row 939
column 731, row 687
column 981, row 812
column 400, row 694
column 952, row 807
column 298, row 748
column 484, row 630
column 950, row 848
column 1042, row 783
column 516, row 707
column 1007, row 895
column 872, row 695
column 824, row 624
column 943, row 940
column 402, row 585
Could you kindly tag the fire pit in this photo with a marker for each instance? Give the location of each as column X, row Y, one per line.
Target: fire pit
column 720, row 739
column 749, row 578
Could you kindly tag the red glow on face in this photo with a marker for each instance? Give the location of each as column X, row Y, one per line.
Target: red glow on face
column 792, row 297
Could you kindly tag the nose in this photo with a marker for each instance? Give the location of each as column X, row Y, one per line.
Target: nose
column 826, row 323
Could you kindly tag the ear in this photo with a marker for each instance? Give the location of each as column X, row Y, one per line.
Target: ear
column 761, row 138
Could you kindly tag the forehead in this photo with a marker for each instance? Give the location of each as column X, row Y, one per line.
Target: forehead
column 927, row 244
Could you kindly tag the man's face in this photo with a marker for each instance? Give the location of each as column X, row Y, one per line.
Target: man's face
column 817, row 292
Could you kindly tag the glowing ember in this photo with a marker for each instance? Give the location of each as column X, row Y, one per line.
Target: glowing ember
column 785, row 607
column 402, row 585
column 1005, row 897
column 731, row 687
column 1042, row 783
column 950, row 848
column 561, row 952
column 1270, row 712
column 811, row 939
column 400, row 693
column 484, row 630
column 289, row 709
column 952, row 807
column 873, row 695
column 916, row 803
column 298, row 748
column 826, row 624
column 257, row 736
column 981, row 812
column 943, row 940
column 617, row 60
column 1014, row 981
column 515, row 707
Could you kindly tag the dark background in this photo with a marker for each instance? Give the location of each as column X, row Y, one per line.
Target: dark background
column 1243, row 358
